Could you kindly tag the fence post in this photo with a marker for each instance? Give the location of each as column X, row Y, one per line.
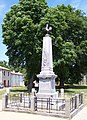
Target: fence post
column 4, row 101
column 7, row 90
column 33, row 103
column 82, row 97
column 77, row 101
column 62, row 92
column 67, row 107
column 21, row 96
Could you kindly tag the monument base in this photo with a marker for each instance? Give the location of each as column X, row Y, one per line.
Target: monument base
column 47, row 86
column 47, row 95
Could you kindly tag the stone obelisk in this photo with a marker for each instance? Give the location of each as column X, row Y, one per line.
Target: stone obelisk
column 47, row 76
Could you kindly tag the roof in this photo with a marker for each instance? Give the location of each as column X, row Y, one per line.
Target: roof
column 3, row 68
column 16, row 73
column 12, row 72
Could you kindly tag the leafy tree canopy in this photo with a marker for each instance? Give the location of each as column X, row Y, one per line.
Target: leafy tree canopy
column 4, row 64
column 23, row 31
column 20, row 34
column 69, row 32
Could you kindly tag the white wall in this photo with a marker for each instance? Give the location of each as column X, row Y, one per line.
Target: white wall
column 0, row 76
column 17, row 79
column 6, row 77
column 21, row 81
column 10, row 78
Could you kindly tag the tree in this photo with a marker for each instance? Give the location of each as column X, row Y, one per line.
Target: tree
column 69, row 31
column 20, row 33
column 23, row 31
column 4, row 64
column 82, row 53
column 75, row 34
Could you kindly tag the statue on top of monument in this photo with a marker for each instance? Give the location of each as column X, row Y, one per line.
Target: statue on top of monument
column 48, row 29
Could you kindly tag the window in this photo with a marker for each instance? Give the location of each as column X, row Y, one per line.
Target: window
column 8, row 73
column 4, row 73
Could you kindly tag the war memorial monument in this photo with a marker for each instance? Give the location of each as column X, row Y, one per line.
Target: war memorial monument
column 47, row 76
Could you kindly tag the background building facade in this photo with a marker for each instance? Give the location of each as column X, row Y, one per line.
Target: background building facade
column 9, row 78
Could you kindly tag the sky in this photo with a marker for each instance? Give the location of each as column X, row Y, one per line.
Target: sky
column 5, row 7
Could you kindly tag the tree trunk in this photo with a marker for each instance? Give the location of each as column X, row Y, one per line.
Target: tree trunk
column 30, row 83
column 61, row 83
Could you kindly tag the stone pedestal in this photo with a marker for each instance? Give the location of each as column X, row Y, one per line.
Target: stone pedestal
column 47, row 87
column 47, row 76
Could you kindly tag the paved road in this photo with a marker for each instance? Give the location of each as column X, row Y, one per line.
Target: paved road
column 82, row 115
column 25, row 116
column 6, row 115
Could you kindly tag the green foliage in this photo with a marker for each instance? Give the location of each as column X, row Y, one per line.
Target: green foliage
column 69, row 53
column 76, row 90
column 82, row 53
column 23, row 31
column 69, row 32
column 20, row 34
column 4, row 64
column 2, row 92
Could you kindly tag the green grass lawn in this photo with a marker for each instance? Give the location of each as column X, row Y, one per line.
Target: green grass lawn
column 72, row 91
column 68, row 92
column 14, row 90
column 18, row 89
column 1, row 93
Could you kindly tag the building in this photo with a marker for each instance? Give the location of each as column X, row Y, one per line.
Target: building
column 5, row 76
column 17, row 79
column 9, row 78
